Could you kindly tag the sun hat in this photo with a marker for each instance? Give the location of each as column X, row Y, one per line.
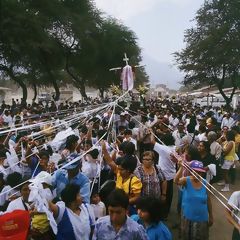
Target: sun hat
column 197, row 166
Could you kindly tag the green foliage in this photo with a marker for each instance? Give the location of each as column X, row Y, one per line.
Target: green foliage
column 62, row 41
column 211, row 55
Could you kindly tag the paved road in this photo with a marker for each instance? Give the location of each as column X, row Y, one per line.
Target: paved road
column 221, row 229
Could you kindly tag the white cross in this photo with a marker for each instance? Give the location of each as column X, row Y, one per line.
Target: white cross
column 126, row 59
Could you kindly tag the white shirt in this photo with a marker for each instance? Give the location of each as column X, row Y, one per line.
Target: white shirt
column 132, row 140
column 80, row 223
column 4, row 196
column 177, row 137
column 90, row 167
column 17, row 204
column 234, row 201
column 166, row 164
column 227, row 122
column 99, row 210
column 216, row 149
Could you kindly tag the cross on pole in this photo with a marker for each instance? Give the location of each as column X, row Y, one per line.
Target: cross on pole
column 126, row 59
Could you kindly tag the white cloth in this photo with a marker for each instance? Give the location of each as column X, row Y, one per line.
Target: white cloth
column 99, row 210
column 177, row 137
column 90, row 167
column 17, row 204
column 127, row 78
column 80, row 223
column 211, row 172
column 166, row 164
column 216, row 149
column 234, row 202
column 4, row 195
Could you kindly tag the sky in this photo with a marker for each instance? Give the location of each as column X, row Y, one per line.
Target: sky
column 159, row 26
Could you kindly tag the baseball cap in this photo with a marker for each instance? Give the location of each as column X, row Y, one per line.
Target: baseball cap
column 197, row 166
column 73, row 165
column 14, row 225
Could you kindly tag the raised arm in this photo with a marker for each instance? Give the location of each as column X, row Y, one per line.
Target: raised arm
column 108, row 158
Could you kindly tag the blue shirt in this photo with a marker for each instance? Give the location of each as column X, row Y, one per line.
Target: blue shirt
column 60, row 180
column 35, row 168
column 155, row 231
column 195, row 201
column 131, row 230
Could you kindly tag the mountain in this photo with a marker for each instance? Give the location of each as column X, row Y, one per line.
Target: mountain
column 162, row 73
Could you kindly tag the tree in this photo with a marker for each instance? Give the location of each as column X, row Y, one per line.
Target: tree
column 211, row 55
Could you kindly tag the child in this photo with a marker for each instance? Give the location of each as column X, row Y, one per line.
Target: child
column 99, row 208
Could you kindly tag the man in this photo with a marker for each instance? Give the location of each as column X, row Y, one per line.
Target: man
column 227, row 121
column 118, row 225
column 72, row 174
column 21, row 203
column 178, row 134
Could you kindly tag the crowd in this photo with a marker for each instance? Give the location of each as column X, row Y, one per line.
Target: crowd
column 98, row 170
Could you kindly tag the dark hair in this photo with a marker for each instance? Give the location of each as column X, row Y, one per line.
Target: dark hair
column 230, row 136
column 69, row 193
column 153, row 206
column 89, row 142
column 131, row 125
column 2, row 178
column 129, row 148
column 84, row 129
column 101, row 133
column 118, row 198
column 191, row 128
column 129, row 163
column 43, row 153
column 202, row 129
column 128, row 132
column 168, row 139
column 14, row 179
column 206, row 146
column 24, row 182
column 193, row 152
column 70, row 140
column 236, row 129
column 94, row 153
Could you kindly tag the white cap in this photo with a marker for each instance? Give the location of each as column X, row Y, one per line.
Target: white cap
column 43, row 177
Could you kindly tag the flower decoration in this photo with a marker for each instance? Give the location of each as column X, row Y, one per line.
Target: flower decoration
column 142, row 89
column 115, row 90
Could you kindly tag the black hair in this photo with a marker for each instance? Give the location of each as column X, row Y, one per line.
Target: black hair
column 2, row 181
column 230, row 136
column 24, row 181
column 69, row 193
column 191, row 128
column 89, row 142
column 128, row 132
column 43, row 153
column 100, row 133
column 168, row 139
column 118, row 198
column 202, row 129
column 70, row 140
column 129, row 163
column 84, row 129
column 3, row 153
column 131, row 125
column 236, row 129
column 206, row 146
column 14, row 179
column 153, row 206
column 94, row 153
column 129, row 148
column 193, row 152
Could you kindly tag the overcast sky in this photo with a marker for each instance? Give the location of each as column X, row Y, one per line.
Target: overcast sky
column 159, row 25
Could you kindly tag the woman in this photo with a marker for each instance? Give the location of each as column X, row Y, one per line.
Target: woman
column 205, row 153
column 152, row 177
column 229, row 156
column 196, row 206
column 125, row 178
column 75, row 220
column 149, row 215
column 233, row 208
column 71, row 146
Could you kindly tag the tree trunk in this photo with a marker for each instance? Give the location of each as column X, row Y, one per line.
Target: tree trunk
column 101, row 90
column 18, row 80
column 57, row 91
column 35, row 92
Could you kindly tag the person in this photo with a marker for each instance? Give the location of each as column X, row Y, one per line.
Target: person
column 72, row 174
column 71, row 146
column 152, row 177
column 227, row 121
column 166, row 164
column 75, row 219
column 196, row 203
column 205, row 154
column 150, row 215
column 233, row 208
column 178, row 134
column 98, row 206
column 125, row 178
column 229, row 156
column 21, row 202
column 117, row 225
